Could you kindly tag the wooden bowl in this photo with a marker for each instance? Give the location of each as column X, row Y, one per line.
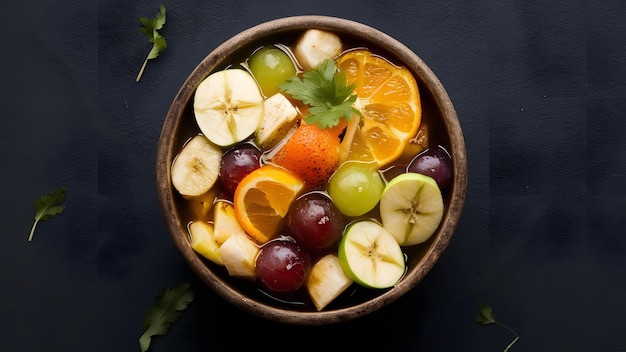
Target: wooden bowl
column 179, row 125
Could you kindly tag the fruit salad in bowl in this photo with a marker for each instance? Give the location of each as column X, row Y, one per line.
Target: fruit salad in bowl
column 311, row 170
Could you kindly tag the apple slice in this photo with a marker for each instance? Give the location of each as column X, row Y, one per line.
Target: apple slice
column 228, row 106
column 225, row 221
column 370, row 255
column 239, row 254
column 326, row 281
column 411, row 208
column 203, row 241
column 279, row 117
column 316, row 46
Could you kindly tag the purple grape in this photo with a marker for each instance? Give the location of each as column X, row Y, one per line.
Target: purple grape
column 238, row 162
column 315, row 222
column 433, row 162
column 282, row 266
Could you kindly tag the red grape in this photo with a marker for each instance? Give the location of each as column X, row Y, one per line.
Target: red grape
column 315, row 222
column 238, row 162
column 282, row 266
column 433, row 162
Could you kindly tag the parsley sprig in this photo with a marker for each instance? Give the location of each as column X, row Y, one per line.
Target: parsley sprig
column 325, row 90
column 486, row 317
column 151, row 29
column 48, row 206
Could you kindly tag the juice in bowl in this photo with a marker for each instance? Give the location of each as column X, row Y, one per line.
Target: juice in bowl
column 311, row 170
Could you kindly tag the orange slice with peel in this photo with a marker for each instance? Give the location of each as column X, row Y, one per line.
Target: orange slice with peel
column 388, row 99
column 262, row 200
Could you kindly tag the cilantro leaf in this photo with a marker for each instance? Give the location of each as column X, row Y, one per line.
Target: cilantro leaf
column 48, row 206
column 327, row 93
column 165, row 311
column 150, row 30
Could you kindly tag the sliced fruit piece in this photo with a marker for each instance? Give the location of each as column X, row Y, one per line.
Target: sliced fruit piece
column 411, row 208
column 228, row 106
column 200, row 207
column 279, row 117
column 311, row 153
column 316, row 46
column 389, row 100
column 262, row 200
column 225, row 220
column 239, row 254
column 196, row 167
column 370, row 255
column 326, row 281
column 203, row 241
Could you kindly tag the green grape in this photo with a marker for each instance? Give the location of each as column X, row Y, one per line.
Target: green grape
column 271, row 66
column 356, row 188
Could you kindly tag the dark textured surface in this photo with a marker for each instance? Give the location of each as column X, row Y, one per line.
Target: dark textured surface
column 539, row 88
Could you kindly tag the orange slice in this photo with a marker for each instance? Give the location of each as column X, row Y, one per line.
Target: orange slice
column 388, row 98
column 262, row 200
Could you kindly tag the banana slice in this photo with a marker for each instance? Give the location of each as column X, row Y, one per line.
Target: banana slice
column 411, row 208
column 196, row 167
column 370, row 255
column 316, row 46
column 228, row 106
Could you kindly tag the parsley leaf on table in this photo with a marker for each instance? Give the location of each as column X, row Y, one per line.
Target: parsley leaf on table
column 151, row 29
column 486, row 317
column 327, row 93
column 165, row 311
column 48, row 206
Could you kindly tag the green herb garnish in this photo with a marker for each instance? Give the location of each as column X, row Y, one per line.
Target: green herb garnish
column 150, row 30
column 486, row 317
column 325, row 90
column 48, row 206
column 165, row 311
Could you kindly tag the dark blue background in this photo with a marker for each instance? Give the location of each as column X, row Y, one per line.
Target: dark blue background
column 540, row 90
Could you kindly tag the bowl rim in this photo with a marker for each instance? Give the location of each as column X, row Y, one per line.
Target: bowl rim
column 364, row 32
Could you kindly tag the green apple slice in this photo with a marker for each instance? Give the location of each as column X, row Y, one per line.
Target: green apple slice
column 411, row 208
column 370, row 255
